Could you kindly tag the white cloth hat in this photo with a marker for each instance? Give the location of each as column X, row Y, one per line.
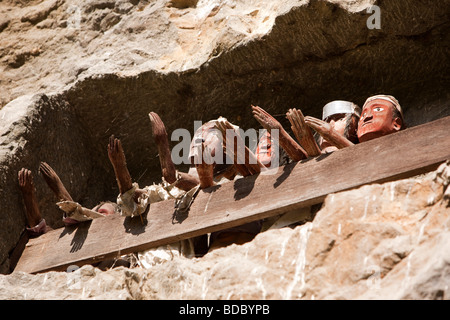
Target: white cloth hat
column 340, row 106
column 391, row 99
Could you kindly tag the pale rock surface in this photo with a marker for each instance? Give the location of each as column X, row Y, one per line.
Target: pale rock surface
column 380, row 241
column 74, row 72
column 49, row 44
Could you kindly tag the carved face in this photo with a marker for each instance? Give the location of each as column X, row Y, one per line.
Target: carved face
column 264, row 149
column 212, row 139
column 339, row 123
column 377, row 120
column 106, row 209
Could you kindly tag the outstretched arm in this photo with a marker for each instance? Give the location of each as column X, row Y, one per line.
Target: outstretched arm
column 302, row 132
column 292, row 148
column 162, row 142
column 183, row 181
column 205, row 167
column 119, row 163
column 54, row 182
column 328, row 133
column 26, row 185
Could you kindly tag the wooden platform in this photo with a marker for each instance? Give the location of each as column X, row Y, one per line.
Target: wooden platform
column 400, row 155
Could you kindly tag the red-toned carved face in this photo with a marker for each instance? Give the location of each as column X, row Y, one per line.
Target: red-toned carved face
column 377, row 120
column 264, row 150
column 106, row 209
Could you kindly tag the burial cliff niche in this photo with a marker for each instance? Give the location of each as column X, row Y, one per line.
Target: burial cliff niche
column 193, row 62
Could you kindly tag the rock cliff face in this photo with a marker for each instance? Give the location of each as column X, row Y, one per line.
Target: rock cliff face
column 74, row 73
column 387, row 241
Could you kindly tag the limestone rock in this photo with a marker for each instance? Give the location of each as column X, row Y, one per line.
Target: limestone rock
column 73, row 73
column 40, row 12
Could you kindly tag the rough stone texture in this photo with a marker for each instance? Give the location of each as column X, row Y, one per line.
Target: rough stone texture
column 95, row 68
column 387, row 241
column 38, row 128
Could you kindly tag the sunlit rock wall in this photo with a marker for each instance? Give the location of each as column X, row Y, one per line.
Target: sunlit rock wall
column 95, row 68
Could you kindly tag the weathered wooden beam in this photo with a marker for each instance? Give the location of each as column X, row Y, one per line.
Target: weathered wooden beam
column 400, row 155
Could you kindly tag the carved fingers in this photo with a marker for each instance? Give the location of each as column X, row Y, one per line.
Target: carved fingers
column 54, row 182
column 115, row 150
column 25, row 180
column 228, row 133
column 224, row 127
column 265, row 119
column 303, row 132
column 298, row 124
column 47, row 171
column 322, row 127
column 327, row 131
column 245, row 161
column 162, row 142
column 158, row 128
column 117, row 157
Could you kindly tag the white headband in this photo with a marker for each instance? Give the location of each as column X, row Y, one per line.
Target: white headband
column 340, row 106
column 391, row 99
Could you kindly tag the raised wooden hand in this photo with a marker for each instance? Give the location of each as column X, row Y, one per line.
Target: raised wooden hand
column 245, row 161
column 162, row 142
column 292, row 148
column 327, row 132
column 302, row 132
column 27, row 188
column 54, row 182
column 119, row 163
column 265, row 119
